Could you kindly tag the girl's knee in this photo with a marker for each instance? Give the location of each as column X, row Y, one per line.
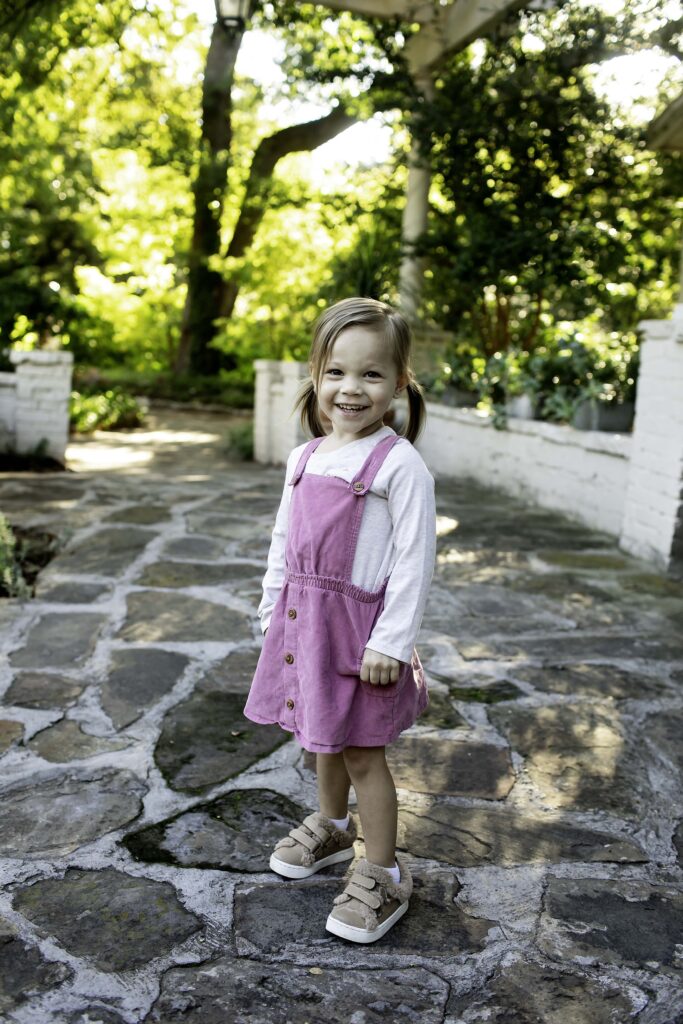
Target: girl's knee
column 362, row 760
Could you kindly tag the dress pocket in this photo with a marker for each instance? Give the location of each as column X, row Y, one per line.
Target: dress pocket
column 387, row 691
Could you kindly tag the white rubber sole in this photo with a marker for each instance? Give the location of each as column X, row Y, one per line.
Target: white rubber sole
column 298, row 871
column 347, row 931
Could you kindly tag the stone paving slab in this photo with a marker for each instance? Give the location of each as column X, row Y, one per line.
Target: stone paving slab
column 235, row 832
column 535, row 993
column 43, row 690
column 473, row 836
column 541, row 804
column 52, row 814
column 238, row 990
column 156, row 616
column 108, row 918
column 429, row 764
column 24, row 973
column 59, row 641
column 604, row 921
column 137, row 679
column 283, row 919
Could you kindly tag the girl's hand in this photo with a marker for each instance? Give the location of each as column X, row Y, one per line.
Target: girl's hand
column 378, row 669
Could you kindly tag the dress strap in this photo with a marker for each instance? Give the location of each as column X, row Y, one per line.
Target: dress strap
column 363, row 479
column 305, row 456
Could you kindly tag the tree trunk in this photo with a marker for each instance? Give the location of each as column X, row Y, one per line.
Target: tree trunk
column 208, row 295
column 204, row 285
column 297, row 138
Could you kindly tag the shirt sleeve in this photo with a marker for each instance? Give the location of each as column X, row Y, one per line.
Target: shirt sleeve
column 412, row 508
column 275, row 573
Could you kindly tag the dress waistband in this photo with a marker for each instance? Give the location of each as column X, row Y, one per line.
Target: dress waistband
column 332, row 583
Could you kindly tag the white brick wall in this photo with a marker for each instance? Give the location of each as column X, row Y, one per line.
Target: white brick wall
column 580, row 473
column 653, row 509
column 628, row 485
column 34, row 402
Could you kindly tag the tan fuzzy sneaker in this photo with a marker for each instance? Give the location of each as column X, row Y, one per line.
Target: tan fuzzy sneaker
column 313, row 845
column 371, row 903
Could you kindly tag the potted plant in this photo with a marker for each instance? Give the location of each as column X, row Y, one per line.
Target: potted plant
column 508, row 385
column 600, row 406
column 519, row 386
column 457, row 384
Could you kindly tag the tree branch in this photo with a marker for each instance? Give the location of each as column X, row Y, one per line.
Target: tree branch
column 295, row 139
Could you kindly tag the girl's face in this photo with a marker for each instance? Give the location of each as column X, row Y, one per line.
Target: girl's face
column 358, row 383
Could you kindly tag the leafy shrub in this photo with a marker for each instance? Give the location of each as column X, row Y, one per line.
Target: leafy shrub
column 239, row 442
column 12, row 583
column 111, row 410
column 570, row 365
column 230, row 388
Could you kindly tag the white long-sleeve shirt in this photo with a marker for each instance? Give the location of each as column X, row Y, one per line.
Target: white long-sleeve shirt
column 397, row 537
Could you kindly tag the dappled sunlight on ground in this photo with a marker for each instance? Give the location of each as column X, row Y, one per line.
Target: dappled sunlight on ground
column 192, row 436
column 445, row 525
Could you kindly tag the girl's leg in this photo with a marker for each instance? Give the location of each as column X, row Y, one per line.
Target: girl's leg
column 333, row 785
column 377, row 805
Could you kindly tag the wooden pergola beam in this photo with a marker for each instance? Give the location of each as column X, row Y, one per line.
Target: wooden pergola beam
column 420, row 11
column 452, row 28
column 666, row 131
column 445, row 28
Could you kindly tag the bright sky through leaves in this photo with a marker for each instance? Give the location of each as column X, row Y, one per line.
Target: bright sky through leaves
column 630, row 81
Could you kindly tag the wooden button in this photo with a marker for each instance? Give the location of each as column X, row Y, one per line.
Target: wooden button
column 359, row 485
column 292, row 613
column 289, row 658
column 290, row 704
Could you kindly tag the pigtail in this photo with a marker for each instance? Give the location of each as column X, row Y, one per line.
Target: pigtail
column 309, row 415
column 417, row 410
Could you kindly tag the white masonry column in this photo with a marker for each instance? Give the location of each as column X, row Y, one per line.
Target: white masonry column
column 42, row 401
column 415, row 216
column 652, row 525
column 276, row 428
column 266, row 371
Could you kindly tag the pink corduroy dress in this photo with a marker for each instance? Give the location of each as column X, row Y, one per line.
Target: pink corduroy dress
column 308, row 675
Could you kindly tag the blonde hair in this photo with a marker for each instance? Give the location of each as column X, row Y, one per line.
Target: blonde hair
column 394, row 328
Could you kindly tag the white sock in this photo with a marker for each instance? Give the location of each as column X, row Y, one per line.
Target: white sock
column 341, row 822
column 395, row 872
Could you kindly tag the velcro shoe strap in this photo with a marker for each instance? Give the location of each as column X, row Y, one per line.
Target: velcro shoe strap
column 320, row 831
column 364, row 880
column 370, row 899
column 310, row 842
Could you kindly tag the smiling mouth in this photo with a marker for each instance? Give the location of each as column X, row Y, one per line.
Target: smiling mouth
column 351, row 408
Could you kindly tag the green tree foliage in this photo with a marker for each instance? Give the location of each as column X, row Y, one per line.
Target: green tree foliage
column 551, row 206
column 546, row 205
column 90, row 111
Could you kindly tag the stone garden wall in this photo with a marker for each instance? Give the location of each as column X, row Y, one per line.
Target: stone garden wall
column 34, row 403
column 628, row 485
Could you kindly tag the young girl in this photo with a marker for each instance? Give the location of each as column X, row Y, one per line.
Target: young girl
column 349, row 568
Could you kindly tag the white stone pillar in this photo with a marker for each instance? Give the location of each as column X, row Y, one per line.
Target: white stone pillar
column 652, row 525
column 276, row 427
column 8, row 410
column 415, row 217
column 42, row 400
column 266, row 370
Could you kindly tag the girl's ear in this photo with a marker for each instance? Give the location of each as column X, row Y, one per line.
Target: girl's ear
column 401, row 382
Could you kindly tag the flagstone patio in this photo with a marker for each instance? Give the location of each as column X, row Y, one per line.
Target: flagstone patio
column 541, row 795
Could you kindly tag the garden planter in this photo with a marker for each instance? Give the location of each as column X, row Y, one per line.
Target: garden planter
column 595, row 415
column 520, row 407
column 458, row 396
